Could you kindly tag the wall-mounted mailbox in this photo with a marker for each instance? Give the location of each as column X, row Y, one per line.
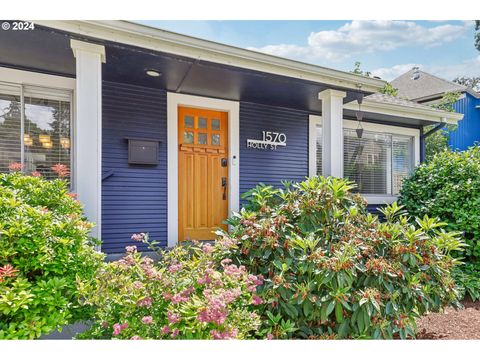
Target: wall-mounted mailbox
column 143, row 151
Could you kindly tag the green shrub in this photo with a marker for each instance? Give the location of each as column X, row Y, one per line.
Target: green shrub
column 193, row 292
column 44, row 248
column 448, row 187
column 467, row 276
column 334, row 271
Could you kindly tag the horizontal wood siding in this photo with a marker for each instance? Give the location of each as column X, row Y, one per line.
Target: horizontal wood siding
column 272, row 166
column 134, row 198
column 468, row 130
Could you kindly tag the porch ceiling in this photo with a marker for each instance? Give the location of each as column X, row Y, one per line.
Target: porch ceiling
column 48, row 50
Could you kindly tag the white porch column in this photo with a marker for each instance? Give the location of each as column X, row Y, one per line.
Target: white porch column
column 332, row 127
column 87, row 162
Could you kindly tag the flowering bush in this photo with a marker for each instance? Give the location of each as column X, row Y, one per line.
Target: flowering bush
column 44, row 248
column 193, row 292
column 334, row 271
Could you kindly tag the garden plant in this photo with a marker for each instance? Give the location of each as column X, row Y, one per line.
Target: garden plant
column 44, row 249
column 448, row 187
column 332, row 270
column 192, row 292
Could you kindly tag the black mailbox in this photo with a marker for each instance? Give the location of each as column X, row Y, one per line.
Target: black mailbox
column 143, row 151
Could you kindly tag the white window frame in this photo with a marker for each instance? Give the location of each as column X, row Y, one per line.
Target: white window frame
column 391, row 130
column 22, row 78
column 367, row 126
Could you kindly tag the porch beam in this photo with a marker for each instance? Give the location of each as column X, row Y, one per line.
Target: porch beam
column 332, row 126
column 87, row 163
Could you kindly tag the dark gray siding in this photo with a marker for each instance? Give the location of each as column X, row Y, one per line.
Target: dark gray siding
column 268, row 166
column 134, row 198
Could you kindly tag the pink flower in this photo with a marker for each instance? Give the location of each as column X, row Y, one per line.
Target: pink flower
column 73, row 195
column 138, row 237
column 175, row 267
column 204, row 280
column 226, row 335
column 207, row 248
column 172, row 317
column 175, row 333
column 136, row 337
column 145, row 302
column 165, row 329
column 224, row 262
column 61, row 170
column 36, row 174
column 15, row 166
column 269, row 336
column 147, row 320
column 117, row 328
column 256, row 300
column 131, row 249
column 138, row 285
column 8, row 271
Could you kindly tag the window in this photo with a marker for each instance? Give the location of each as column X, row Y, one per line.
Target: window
column 319, row 146
column 39, row 119
column 377, row 162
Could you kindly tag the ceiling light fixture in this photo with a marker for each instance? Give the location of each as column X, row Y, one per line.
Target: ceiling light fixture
column 153, row 73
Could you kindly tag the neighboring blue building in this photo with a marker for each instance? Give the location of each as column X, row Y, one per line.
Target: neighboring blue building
column 164, row 132
column 425, row 88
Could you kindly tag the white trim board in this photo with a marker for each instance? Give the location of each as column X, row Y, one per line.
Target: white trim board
column 23, row 77
column 175, row 100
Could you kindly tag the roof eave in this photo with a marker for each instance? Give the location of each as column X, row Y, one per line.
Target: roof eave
column 165, row 41
column 430, row 115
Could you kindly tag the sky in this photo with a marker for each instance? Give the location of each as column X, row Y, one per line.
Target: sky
column 386, row 48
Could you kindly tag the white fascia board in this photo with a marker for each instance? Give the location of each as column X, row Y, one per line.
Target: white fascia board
column 432, row 115
column 161, row 40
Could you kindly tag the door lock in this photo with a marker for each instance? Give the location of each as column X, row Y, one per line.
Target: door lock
column 224, row 162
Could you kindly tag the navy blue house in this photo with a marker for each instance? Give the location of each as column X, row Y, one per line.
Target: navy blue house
column 164, row 132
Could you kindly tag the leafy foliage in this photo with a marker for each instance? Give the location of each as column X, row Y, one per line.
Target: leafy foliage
column 44, row 249
column 477, row 34
column 471, row 82
column 332, row 270
column 193, row 292
column 448, row 187
column 467, row 276
column 388, row 89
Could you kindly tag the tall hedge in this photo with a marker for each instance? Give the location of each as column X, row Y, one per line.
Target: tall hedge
column 448, row 187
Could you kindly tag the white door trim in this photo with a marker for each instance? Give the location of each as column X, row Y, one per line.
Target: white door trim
column 175, row 100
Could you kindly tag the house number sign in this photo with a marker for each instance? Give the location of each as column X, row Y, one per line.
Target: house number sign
column 270, row 141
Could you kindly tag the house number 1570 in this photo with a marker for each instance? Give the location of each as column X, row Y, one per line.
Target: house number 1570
column 274, row 137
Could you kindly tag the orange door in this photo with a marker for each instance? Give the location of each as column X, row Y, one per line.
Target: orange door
column 202, row 173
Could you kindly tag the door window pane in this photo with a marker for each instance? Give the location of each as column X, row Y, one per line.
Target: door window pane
column 188, row 137
column 10, row 122
column 202, row 123
column 47, row 135
column 216, row 139
column 202, row 139
column 188, row 121
column 215, row 124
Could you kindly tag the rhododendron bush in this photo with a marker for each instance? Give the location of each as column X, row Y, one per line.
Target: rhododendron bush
column 193, row 292
column 44, row 249
column 332, row 270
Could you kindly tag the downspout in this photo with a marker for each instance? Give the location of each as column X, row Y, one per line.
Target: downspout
column 424, row 136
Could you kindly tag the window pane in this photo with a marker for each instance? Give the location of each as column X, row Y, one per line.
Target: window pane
column 216, row 139
column 188, row 121
column 202, row 123
column 10, row 120
column 215, row 124
column 402, row 158
column 202, row 139
column 47, row 135
column 367, row 161
column 188, row 137
column 319, row 149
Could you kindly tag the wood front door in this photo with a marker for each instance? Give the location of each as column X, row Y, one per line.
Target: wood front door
column 202, row 173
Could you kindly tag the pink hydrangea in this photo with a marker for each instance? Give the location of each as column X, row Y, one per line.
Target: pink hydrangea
column 118, row 328
column 256, row 300
column 138, row 237
column 175, row 333
column 131, row 249
column 207, row 248
column 165, row 330
column 145, row 302
column 175, row 267
column 147, row 320
column 204, row 280
column 173, row 318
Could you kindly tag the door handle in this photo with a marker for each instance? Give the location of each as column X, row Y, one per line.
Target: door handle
column 224, row 185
